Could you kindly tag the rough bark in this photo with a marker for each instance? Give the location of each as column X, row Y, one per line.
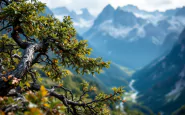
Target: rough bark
column 22, row 67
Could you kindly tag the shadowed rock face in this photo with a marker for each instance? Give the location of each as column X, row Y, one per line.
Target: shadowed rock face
column 161, row 83
column 125, row 18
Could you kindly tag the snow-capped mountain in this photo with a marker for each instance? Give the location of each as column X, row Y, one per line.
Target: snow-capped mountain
column 161, row 84
column 82, row 21
column 131, row 36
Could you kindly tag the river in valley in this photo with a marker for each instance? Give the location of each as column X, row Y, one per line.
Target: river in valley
column 129, row 96
column 133, row 90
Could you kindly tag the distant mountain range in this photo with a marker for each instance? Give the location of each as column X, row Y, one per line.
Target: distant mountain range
column 82, row 21
column 133, row 37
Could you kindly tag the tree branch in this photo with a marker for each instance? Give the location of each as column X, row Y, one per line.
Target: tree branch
column 18, row 40
column 22, row 68
column 71, row 103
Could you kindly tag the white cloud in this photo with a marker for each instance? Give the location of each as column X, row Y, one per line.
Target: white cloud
column 57, row 3
column 95, row 6
column 121, row 32
column 81, row 24
column 84, row 24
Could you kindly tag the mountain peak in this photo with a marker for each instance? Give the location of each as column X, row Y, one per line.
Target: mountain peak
column 85, row 10
column 106, row 14
column 86, row 14
column 109, row 6
column 60, row 10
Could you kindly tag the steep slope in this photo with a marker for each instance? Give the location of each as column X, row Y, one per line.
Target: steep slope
column 169, row 41
column 161, row 84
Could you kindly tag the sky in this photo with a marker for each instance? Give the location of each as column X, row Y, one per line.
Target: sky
column 96, row 6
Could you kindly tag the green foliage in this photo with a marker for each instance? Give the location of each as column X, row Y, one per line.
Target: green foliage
column 41, row 99
column 10, row 48
column 22, row 67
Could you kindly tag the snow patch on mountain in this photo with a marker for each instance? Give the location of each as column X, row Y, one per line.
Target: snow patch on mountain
column 177, row 23
column 176, row 92
column 154, row 19
column 120, row 32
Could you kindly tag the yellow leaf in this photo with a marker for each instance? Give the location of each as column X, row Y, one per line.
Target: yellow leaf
column 60, row 85
column 27, row 84
column 43, row 91
column 48, row 73
column 46, row 105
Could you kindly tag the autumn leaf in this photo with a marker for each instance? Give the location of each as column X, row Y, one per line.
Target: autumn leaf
column 48, row 73
column 10, row 77
column 46, row 105
column 60, row 85
column 55, row 61
column 43, row 90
